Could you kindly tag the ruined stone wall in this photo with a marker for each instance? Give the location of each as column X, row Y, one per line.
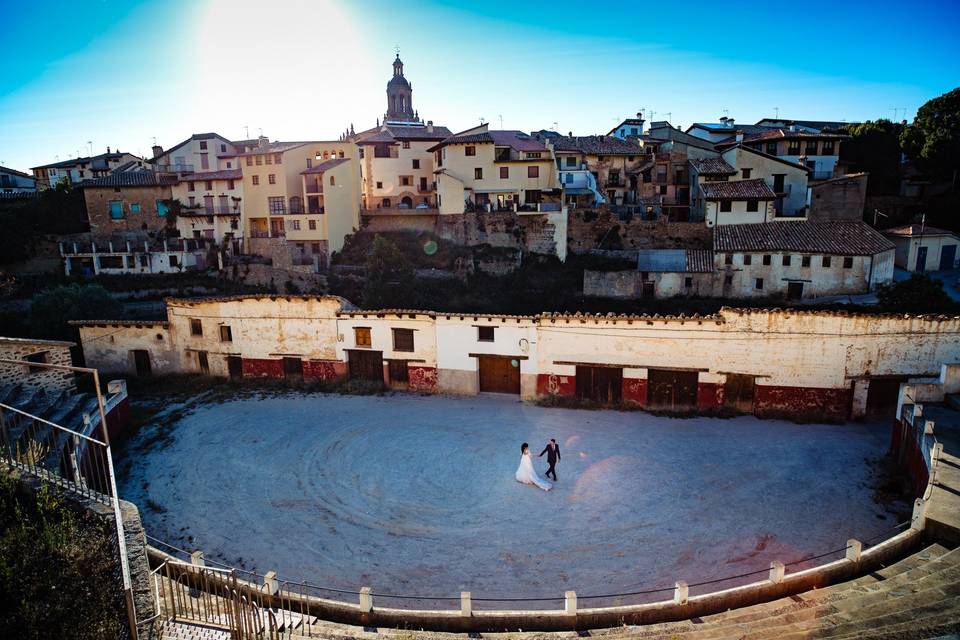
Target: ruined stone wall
column 838, row 199
column 264, row 275
column 530, row 232
column 46, row 351
column 110, row 346
column 590, row 229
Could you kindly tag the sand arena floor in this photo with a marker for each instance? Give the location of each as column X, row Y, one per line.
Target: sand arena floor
column 412, row 494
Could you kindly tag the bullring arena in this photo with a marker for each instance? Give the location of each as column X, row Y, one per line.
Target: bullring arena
column 400, row 510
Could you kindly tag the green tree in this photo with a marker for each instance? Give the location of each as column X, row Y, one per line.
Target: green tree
column 50, row 310
column 874, row 147
column 389, row 276
column 918, row 294
column 933, row 139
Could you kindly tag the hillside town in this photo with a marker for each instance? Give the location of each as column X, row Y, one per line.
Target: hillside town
column 721, row 210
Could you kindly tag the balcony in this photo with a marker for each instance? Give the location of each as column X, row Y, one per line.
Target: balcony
column 502, row 155
column 200, row 211
column 259, row 233
column 173, row 168
column 314, row 188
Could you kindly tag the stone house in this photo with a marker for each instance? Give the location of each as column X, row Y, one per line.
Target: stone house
column 200, row 153
column 77, row 170
column 39, row 352
column 923, row 248
column 842, row 198
column 737, row 202
column 135, row 201
column 616, row 166
column 212, row 207
column 13, row 181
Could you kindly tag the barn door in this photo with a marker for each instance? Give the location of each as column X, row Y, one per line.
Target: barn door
column 671, row 390
column 366, row 365
column 499, row 374
column 235, row 366
column 738, row 392
column 141, row 360
column 603, row 385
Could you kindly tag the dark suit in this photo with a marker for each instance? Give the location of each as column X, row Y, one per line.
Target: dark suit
column 553, row 456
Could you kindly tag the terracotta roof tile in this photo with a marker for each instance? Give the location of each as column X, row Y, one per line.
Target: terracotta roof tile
column 712, row 167
column 130, row 179
column 225, row 174
column 328, row 164
column 738, row 190
column 597, row 145
column 916, row 230
column 835, row 238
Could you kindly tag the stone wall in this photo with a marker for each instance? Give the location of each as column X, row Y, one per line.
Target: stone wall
column 590, row 229
column 98, row 201
column 46, row 351
column 530, row 232
column 611, row 284
column 264, row 275
column 839, row 198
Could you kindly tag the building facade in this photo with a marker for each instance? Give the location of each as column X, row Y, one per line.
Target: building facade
column 13, row 181
column 77, row 170
column 767, row 362
column 211, row 207
column 921, row 248
column 135, row 201
column 201, row 152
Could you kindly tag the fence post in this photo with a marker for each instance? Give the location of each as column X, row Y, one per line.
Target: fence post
column 681, row 592
column 776, row 572
column 570, row 603
column 466, row 606
column 366, row 600
column 918, row 521
column 271, row 582
column 196, row 558
column 854, row 549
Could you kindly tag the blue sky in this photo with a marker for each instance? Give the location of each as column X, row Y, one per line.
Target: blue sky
column 82, row 75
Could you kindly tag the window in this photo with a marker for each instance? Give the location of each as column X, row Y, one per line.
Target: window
column 688, row 283
column 278, row 158
column 223, row 148
column 116, row 209
column 746, row 173
column 793, row 148
column 361, row 336
column 568, row 178
column 295, row 225
column 405, row 144
column 728, row 280
column 174, row 261
column 226, row 334
column 753, row 205
column 272, row 178
column 256, row 180
column 766, row 260
column 786, row 261
column 315, row 248
column 726, row 205
column 41, row 357
column 259, row 160
column 826, row 262
column 848, row 262
column 772, row 148
column 276, row 205
column 827, row 148
column 478, row 174
column 162, row 208
column 312, row 225
column 811, row 148
column 403, row 339
column 485, row 334
column 208, row 185
column 747, row 259
column 333, row 181
column 469, row 151
column 379, row 185
column 663, row 192
column 191, row 186
column 268, row 160
column 196, row 327
column 310, row 162
column 728, row 259
column 504, row 173
column 192, row 201
column 805, row 261
column 758, row 285
column 571, row 161
column 203, row 362
column 778, row 179
column 416, row 163
column 134, row 207
column 249, row 161
column 423, row 185
column 203, row 145
column 230, row 185
column 405, row 181
column 385, row 203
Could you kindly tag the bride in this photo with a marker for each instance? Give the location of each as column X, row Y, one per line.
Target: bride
column 525, row 472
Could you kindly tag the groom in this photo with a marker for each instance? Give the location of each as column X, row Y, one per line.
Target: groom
column 553, row 456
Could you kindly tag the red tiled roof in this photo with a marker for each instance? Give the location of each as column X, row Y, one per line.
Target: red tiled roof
column 516, row 139
column 225, row 174
column 835, row 238
column 130, row 179
column 323, row 166
column 713, row 167
column 911, row 230
column 738, row 190
column 782, row 134
column 597, row 145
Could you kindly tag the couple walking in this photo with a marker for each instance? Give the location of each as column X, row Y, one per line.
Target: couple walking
column 526, row 473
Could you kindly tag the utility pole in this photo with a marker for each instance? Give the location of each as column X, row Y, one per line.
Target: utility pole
column 246, row 130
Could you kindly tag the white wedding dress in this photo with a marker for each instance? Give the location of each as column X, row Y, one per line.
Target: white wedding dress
column 527, row 475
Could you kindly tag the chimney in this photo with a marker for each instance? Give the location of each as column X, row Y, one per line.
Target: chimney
column 729, row 122
column 429, row 126
column 793, row 127
column 739, row 136
column 157, row 150
column 569, row 134
column 108, row 149
column 262, row 142
column 723, row 120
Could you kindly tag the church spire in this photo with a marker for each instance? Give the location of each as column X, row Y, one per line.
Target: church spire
column 399, row 95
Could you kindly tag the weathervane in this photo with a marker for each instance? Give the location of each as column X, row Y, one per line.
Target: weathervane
column 396, row 48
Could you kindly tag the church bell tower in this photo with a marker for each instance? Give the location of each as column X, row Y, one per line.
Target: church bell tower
column 399, row 96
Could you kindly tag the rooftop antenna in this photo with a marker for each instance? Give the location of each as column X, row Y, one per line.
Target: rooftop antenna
column 641, row 113
column 668, row 115
column 260, row 129
column 483, row 120
column 725, row 112
column 894, row 109
column 776, row 112
column 246, row 130
column 90, row 146
column 555, row 126
column 501, row 120
column 877, row 212
column 652, row 115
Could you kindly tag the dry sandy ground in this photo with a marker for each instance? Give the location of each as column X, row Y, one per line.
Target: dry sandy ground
column 411, row 494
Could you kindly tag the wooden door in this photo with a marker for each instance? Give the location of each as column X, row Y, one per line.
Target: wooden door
column 141, row 360
column 882, row 396
column 235, row 366
column 398, row 372
column 204, row 362
column 948, row 253
column 292, row 367
column 738, row 392
column 794, row 290
column 671, row 390
column 366, row 365
column 499, row 374
column 603, row 385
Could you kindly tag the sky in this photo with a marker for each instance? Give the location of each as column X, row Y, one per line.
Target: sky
column 81, row 76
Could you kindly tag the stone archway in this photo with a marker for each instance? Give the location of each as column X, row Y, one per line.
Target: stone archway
column 408, row 201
